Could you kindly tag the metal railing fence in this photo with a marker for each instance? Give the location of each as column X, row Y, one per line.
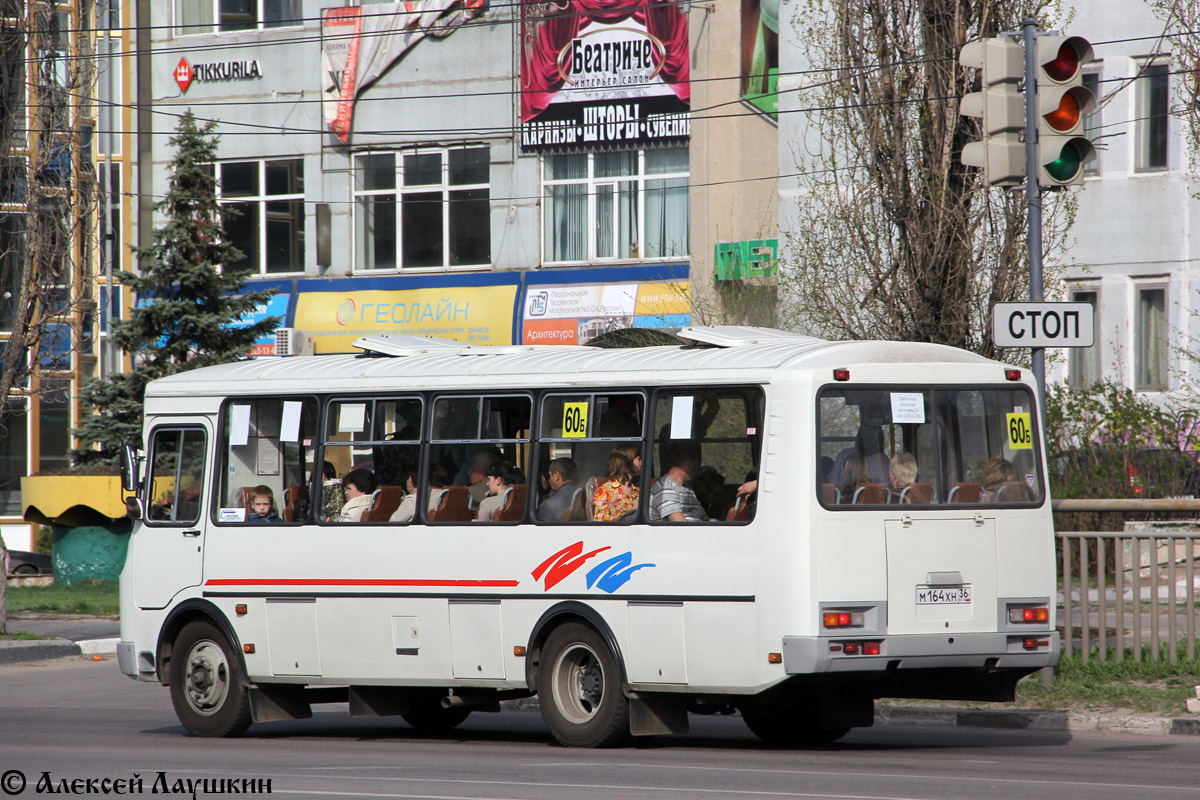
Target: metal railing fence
column 1125, row 590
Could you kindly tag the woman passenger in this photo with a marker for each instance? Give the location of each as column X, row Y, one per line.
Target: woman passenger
column 359, row 484
column 500, row 479
column 617, row 496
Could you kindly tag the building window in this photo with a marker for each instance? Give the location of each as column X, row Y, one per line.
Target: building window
column 620, row 205
column 1085, row 361
column 1153, row 109
column 208, row 16
column 14, row 455
column 1150, row 346
column 423, row 208
column 268, row 227
column 1091, row 121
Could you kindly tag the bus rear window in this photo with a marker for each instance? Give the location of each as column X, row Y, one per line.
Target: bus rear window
column 922, row 446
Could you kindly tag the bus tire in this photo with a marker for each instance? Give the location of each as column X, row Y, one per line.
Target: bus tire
column 425, row 713
column 208, row 689
column 790, row 724
column 580, row 689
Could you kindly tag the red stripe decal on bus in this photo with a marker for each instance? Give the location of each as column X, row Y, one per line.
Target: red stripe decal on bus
column 355, row 582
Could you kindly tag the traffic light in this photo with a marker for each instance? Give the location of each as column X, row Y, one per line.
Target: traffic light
column 1001, row 153
column 1063, row 102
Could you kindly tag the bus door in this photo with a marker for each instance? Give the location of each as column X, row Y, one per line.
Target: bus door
column 169, row 541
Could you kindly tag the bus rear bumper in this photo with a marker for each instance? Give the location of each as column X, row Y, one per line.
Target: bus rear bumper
column 808, row 655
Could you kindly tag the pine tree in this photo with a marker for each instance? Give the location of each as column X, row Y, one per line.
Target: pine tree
column 188, row 305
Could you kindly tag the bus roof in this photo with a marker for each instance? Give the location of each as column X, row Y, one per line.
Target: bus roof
column 732, row 354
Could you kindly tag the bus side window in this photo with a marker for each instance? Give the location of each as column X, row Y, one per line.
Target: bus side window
column 590, row 457
column 177, row 462
column 708, row 448
column 370, row 460
column 479, row 443
column 267, row 460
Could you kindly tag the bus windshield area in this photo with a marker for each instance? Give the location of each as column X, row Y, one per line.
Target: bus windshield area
column 927, row 446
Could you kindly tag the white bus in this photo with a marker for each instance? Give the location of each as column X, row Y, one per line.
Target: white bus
column 838, row 522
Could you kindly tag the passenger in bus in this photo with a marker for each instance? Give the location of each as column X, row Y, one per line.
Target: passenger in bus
column 501, row 477
column 618, row 496
column 262, row 505
column 408, row 506
column 620, row 418
column 477, row 471
column 902, row 471
column 557, row 507
column 333, row 495
column 633, row 452
column 1001, row 483
column 670, row 498
column 709, row 486
column 865, row 462
column 359, row 485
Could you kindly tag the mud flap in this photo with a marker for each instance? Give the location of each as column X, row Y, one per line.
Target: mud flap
column 280, row 702
column 654, row 713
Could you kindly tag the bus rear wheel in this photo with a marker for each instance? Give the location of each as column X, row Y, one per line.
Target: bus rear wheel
column 792, row 722
column 580, row 690
column 208, row 689
column 425, row 713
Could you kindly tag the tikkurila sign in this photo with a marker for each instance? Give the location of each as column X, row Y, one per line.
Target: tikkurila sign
column 603, row 73
column 186, row 73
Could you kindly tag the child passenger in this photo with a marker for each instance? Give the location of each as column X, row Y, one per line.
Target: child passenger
column 262, row 505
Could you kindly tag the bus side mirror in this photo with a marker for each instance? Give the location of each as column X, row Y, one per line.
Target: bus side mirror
column 129, row 468
column 133, row 507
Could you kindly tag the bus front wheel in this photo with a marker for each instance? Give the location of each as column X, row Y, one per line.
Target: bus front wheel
column 208, row 689
column 579, row 687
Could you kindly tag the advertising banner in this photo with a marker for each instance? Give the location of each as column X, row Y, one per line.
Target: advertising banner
column 584, row 304
column 359, row 43
column 340, row 314
column 603, row 73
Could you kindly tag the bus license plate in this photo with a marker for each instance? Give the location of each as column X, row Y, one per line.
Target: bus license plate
column 943, row 595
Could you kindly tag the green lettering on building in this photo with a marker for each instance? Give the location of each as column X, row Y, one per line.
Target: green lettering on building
column 755, row 258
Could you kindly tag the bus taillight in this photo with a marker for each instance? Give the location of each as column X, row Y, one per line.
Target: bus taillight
column 1029, row 614
column 841, row 374
column 842, row 619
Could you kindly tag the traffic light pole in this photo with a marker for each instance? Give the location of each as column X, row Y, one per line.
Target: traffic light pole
column 1033, row 197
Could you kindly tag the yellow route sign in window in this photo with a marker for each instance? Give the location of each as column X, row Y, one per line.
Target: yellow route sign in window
column 575, row 417
column 1020, row 432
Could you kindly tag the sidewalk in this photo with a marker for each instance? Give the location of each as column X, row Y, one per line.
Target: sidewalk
column 73, row 635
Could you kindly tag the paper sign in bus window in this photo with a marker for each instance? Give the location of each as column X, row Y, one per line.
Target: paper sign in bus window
column 681, row 416
column 239, row 425
column 351, row 417
column 289, row 428
column 574, row 422
column 908, row 407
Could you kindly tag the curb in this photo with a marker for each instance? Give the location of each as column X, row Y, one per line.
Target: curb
column 1037, row 720
column 15, row 652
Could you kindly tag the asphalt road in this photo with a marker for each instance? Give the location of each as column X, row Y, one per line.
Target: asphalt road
column 80, row 719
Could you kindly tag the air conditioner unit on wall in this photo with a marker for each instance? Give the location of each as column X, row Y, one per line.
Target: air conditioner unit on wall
column 293, row 342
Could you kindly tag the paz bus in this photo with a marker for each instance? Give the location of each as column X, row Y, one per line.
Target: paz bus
column 864, row 520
